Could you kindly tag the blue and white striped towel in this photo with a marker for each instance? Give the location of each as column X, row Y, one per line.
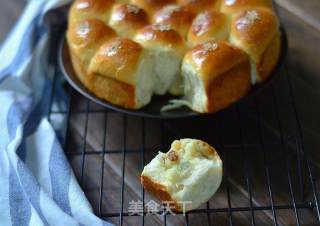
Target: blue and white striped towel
column 37, row 185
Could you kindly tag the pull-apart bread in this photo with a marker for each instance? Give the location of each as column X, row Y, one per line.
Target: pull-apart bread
column 186, row 176
column 211, row 52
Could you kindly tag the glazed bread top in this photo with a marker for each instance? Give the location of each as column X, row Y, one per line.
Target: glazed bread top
column 234, row 6
column 177, row 17
column 253, row 30
column 126, row 19
column 151, row 6
column 214, row 58
column 86, row 9
column 196, row 6
column 207, row 26
column 161, row 36
column 118, row 59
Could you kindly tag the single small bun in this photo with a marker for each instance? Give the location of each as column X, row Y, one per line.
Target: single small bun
column 175, row 16
column 161, row 36
column 197, row 6
column 126, row 19
column 118, row 59
column 257, row 33
column 234, row 6
column 167, row 48
column 216, row 74
column 186, row 176
column 85, row 38
column 209, row 25
column 152, row 6
column 126, row 62
column 90, row 9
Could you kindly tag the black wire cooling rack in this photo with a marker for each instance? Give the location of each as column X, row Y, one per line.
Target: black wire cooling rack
column 268, row 177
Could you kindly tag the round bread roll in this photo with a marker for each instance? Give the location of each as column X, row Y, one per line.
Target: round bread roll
column 216, row 74
column 257, row 33
column 85, row 38
column 175, row 16
column 234, row 6
column 197, row 6
column 209, row 25
column 167, row 49
column 126, row 19
column 127, row 67
column 186, row 176
column 90, row 9
column 152, row 6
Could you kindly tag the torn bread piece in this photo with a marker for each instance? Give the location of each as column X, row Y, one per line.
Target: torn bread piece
column 167, row 48
column 216, row 74
column 186, row 176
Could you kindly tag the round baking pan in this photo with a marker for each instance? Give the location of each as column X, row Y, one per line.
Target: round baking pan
column 153, row 109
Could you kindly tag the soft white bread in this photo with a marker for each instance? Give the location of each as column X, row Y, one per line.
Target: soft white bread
column 216, row 74
column 257, row 33
column 190, row 173
column 90, row 9
column 126, row 19
column 234, row 6
column 177, row 17
column 129, row 66
column 209, row 25
column 167, row 49
column 197, row 6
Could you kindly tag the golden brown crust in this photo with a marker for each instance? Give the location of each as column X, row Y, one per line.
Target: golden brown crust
column 254, row 31
column 234, row 6
column 126, row 19
column 214, row 58
column 197, row 6
column 209, row 25
column 177, row 17
column 85, row 37
column 117, row 59
column 87, row 32
column 229, row 87
column 161, row 34
column 159, row 191
column 90, row 9
column 224, row 71
column 151, row 6
column 255, row 26
column 105, row 87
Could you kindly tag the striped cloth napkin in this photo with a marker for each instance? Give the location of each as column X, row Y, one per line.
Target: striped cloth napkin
column 37, row 185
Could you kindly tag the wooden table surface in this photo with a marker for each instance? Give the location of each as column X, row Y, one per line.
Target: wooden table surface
column 302, row 22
